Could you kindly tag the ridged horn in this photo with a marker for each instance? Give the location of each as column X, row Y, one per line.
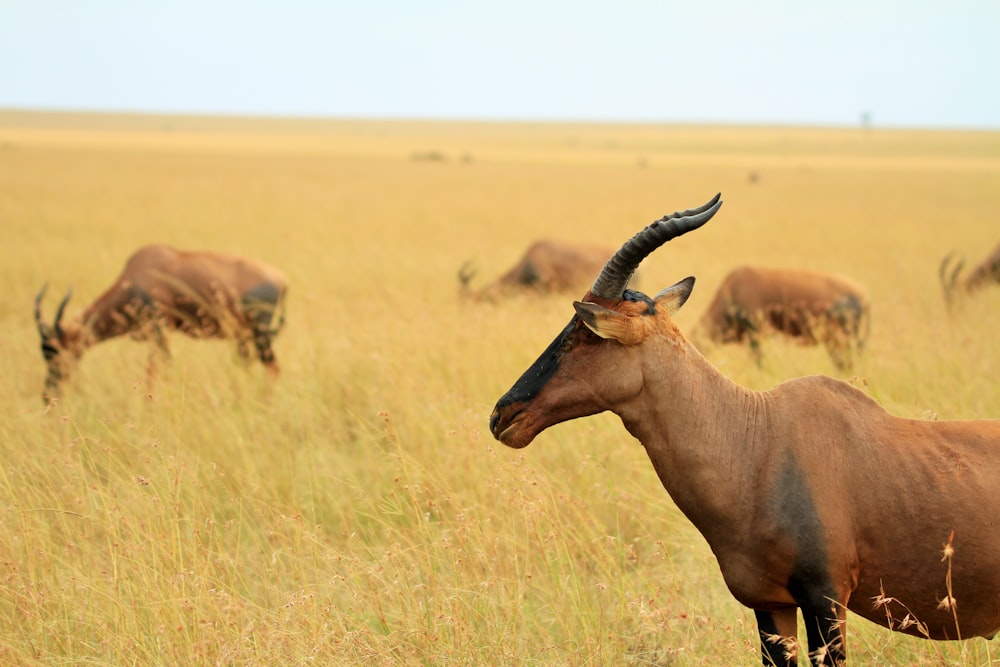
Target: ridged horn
column 619, row 269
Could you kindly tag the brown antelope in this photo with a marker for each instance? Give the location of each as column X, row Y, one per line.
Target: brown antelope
column 985, row 273
column 810, row 307
column 810, row 495
column 202, row 294
column 547, row 266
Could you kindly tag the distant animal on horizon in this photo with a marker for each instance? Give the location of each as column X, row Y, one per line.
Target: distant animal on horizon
column 810, row 307
column 547, row 266
column 199, row 293
column 811, row 496
column 987, row 272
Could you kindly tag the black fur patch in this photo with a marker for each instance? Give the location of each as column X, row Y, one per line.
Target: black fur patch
column 540, row 372
column 638, row 297
column 259, row 303
column 809, row 582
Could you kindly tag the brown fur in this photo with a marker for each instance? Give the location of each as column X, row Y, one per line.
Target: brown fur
column 810, row 495
column 201, row 294
column 810, row 307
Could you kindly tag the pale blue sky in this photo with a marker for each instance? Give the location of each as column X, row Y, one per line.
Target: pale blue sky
column 907, row 63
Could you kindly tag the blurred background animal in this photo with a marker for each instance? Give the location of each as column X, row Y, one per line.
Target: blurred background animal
column 199, row 293
column 547, row 266
column 954, row 285
column 810, row 307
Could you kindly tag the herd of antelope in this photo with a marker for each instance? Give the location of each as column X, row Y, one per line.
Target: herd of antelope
column 812, row 497
column 809, row 307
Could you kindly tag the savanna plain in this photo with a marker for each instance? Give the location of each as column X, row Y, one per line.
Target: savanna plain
column 357, row 511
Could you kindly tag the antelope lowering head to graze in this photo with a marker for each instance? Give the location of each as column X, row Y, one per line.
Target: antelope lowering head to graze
column 202, row 294
column 810, row 495
column 547, row 266
column 985, row 273
column 810, row 307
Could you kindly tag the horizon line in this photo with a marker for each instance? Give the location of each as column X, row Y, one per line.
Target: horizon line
column 471, row 119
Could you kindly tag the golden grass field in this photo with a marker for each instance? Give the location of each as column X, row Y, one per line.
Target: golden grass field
column 357, row 511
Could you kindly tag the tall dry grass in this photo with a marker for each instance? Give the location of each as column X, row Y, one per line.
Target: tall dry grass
column 357, row 511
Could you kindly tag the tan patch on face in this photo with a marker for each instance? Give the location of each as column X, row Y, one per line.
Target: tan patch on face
column 633, row 308
column 624, row 323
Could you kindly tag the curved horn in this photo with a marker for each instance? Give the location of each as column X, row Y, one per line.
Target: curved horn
column 949, row 278
column 943, row 270
column 59, row 314
column 43, row 328
column 954, row 274
column 619, row 269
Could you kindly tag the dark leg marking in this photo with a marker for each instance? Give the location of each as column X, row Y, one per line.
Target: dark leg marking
column 810, row 583
column 826, row 646
column 262, row 341
column 260, row 304
column 773, row 649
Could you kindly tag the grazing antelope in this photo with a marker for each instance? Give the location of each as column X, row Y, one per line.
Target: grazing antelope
column 202, row 294
column 810, row 495
column 546, row 266
column 810, row 307
column 985, row 273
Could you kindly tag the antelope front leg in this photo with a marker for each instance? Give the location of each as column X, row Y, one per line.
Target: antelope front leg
column 825, row 630
column 778, row 637
column 262, row 341
column 159, row 354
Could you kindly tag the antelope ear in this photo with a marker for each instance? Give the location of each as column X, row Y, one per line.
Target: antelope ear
column 608, row 323
column 672, row 298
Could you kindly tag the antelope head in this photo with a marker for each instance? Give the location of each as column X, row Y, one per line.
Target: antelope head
column 593, row 364
column 59, row 346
